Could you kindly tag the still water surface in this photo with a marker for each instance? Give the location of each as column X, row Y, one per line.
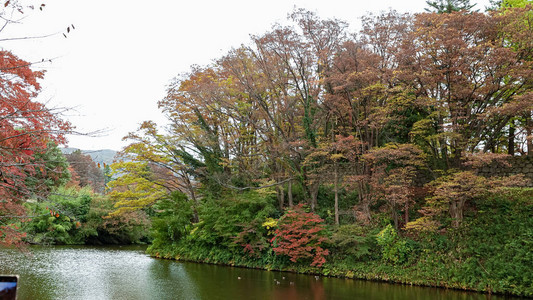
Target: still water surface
column 71, row 272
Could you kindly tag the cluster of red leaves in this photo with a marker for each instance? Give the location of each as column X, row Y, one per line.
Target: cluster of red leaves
column 26, row 126
column 300, row 235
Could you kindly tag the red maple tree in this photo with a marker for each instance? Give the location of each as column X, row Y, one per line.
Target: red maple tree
column 300, row 235
column 26, row 127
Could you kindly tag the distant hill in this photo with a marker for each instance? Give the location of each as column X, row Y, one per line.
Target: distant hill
column 99, row 156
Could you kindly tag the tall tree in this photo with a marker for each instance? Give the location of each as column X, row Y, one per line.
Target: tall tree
column 55, row 171
column 393, row 172
column 89, row 174
column 26, row 128
column 448, row 6
column 152, row 168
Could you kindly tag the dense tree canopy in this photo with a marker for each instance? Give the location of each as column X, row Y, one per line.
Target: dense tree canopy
column 309, row 106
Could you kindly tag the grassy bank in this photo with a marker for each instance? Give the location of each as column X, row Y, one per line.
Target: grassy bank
column 491, row 252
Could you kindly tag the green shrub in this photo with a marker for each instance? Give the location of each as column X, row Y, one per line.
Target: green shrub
column 78, row 216
column 393, row 248
column 230, row 228
column 58, row 220
column 353, row 241
column 172, row 220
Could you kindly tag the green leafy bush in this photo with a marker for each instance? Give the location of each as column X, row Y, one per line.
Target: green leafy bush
column 353, row 241
column 79, row 216
column 394, row 249
column 58, row 220
column 172, row 220
column 230, row 228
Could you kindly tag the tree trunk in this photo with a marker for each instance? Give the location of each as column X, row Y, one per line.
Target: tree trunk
column 529, row 134
column 395, row 217
column 336, row 187
column 364, row 203
column 281, row 196
column 289, row 193
column 192, row 194
column 406, row 212
column 456, row 212
column 314, row 195
column 366, row 212
column 510, row 146
column 442, row 144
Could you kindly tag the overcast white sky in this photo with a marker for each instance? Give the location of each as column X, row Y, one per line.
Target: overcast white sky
column 116, row 64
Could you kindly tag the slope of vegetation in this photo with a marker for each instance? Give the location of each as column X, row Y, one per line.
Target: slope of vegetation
column 490, row 252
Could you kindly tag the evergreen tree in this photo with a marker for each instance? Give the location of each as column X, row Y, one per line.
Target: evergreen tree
column 448, row 6
column 494, row 5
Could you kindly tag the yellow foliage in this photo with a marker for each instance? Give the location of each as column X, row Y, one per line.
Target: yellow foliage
column 423, row 224
column 269, row 224
column 268, row 190
column 134, row 188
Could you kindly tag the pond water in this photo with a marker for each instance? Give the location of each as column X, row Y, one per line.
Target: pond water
column 81, row 272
